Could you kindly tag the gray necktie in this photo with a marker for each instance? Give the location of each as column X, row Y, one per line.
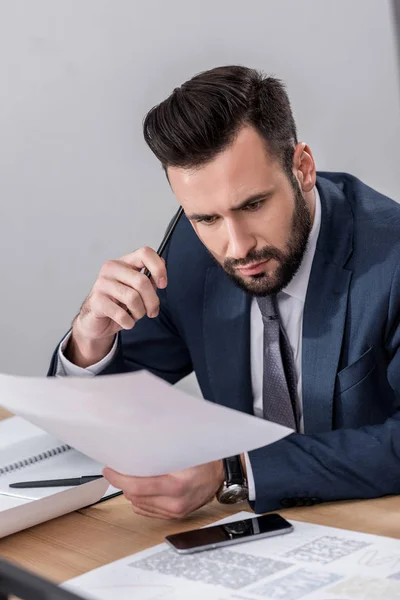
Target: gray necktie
column 279, row 374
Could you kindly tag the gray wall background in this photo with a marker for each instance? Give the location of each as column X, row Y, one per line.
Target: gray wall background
column 77, row 183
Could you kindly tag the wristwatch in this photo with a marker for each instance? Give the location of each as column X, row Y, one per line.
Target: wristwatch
column 234, row 489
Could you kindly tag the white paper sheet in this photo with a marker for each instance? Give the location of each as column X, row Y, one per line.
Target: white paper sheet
column 26, row 513
column 312, row 563
column 135, row 423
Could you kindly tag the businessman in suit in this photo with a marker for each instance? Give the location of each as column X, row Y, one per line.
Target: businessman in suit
column 281, row 290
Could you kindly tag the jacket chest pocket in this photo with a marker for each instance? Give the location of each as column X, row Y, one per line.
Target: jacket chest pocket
column 356, row 372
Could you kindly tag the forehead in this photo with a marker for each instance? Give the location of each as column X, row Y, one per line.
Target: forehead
column 243, row 169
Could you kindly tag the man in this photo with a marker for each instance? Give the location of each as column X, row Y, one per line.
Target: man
column 280, row 289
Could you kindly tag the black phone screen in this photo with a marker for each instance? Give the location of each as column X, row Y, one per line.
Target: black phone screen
column 229, row 532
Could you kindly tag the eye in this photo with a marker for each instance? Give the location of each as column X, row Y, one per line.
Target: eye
column 207, row 220
column 253, row 206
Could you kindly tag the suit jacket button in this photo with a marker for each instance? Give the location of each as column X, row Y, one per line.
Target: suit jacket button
column 316, row 500
column 300, row 501
column 288, row 502
column 308, row 501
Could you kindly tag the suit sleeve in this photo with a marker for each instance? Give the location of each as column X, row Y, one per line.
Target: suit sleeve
column 339, row 464
column 153, row 344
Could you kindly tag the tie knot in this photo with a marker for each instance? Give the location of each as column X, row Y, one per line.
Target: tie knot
column 267, row 306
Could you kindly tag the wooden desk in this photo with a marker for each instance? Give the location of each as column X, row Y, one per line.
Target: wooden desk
column 83, row 540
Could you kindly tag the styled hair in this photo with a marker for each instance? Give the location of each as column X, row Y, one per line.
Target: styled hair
column 202, row 117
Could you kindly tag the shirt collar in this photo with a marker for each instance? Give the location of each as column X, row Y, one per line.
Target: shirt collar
column 297, row 287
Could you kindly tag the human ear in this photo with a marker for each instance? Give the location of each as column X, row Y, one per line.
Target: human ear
column 304, row 167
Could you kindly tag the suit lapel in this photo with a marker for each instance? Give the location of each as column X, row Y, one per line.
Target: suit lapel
column 325, row 308
column 227, row 341
column 323, row 325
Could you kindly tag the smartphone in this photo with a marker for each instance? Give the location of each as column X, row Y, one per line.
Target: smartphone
column 235, row 532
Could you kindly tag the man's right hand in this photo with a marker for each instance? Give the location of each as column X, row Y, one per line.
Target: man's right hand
column 120, row 296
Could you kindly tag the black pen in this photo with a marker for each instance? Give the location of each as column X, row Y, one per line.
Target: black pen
column 55, row 482
column 167, row 236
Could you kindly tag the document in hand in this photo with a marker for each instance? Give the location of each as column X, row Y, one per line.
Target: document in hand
column 135, row 423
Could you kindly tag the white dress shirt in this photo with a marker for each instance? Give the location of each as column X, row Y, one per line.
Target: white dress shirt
column 290, row 303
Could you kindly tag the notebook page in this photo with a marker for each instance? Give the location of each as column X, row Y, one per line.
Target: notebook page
column 16, row 429
column 67, row 464
column 25, row 449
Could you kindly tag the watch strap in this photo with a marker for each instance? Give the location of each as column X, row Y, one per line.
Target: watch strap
column 233, row 471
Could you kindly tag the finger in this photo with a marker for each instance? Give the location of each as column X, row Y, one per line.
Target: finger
column 171, row 508
column 163, row 485
column 145, row 287
column 145, row 513
column 147, row 258
column 104, row 306
column 160, row 507
column 130, row 281
column 124, row 295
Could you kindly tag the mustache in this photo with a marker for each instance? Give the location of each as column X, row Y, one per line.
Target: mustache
column 254, row 256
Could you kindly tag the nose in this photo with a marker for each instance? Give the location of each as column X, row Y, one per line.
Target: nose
column 240, row 240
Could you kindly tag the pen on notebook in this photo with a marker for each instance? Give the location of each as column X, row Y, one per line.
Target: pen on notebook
column 167, row 236
column 55, row 482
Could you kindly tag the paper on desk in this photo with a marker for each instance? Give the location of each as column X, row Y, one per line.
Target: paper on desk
column 312, row 563
column 19, row 514
column 135, row 423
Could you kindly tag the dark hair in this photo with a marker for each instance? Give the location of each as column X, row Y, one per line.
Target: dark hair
column 202, row 117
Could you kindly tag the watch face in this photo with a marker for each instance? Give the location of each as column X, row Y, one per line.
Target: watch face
column 233, row 494
column 238, row 527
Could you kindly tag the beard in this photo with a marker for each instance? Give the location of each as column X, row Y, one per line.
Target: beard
column 289, row 260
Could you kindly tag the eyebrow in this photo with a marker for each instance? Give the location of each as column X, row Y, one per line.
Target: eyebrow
column 254, row 198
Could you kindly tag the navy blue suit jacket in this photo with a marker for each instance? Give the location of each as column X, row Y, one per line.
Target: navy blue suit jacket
column 350, row 358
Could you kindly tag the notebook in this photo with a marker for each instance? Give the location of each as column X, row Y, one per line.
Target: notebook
column 20, row 513
column 27, row 453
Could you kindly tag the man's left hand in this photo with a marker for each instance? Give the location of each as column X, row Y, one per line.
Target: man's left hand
column 172, row 496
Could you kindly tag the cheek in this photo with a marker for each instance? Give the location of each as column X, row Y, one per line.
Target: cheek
column 276, row 225
column 213, row 240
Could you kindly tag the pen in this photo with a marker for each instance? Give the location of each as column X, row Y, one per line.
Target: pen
column 167, row 236
column 55, row 482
